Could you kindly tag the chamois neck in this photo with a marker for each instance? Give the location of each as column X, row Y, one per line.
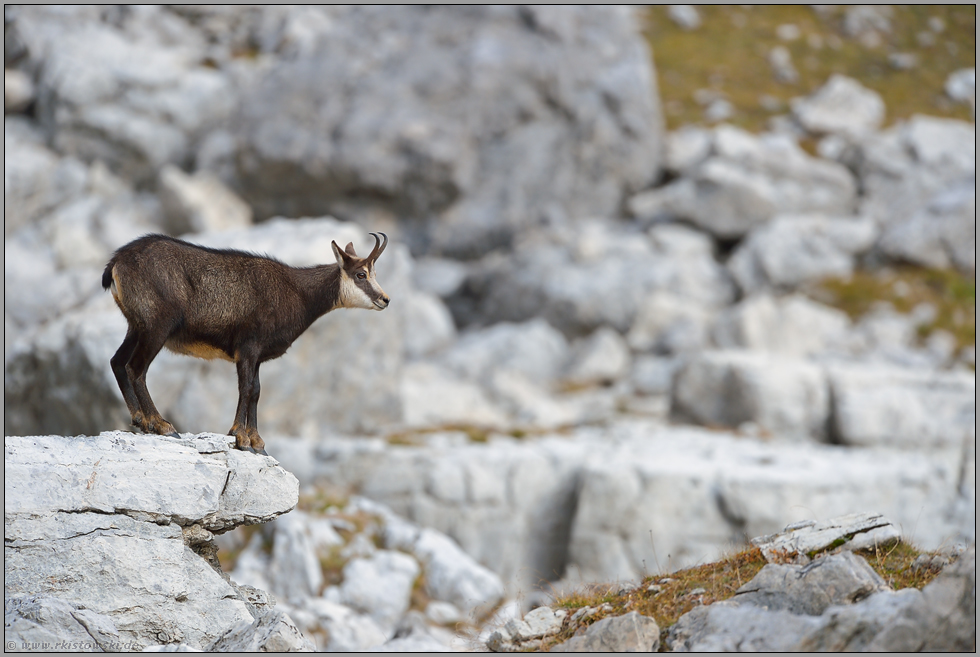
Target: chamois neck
column 321, row 286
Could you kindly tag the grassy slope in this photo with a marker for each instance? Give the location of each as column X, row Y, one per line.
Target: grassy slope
column 728, row 53
column 667, row 598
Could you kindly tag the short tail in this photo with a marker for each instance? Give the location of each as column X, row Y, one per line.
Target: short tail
column 107, row 275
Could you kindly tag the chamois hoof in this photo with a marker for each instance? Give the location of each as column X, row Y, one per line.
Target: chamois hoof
column 261, row 452
column 174, row 434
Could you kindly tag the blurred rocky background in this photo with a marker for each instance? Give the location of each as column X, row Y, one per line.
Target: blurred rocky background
column 662, row 280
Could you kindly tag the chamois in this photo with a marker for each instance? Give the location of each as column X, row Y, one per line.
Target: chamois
column 222, row 303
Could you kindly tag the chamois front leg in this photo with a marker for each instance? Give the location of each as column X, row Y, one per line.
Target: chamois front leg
column 245, row 433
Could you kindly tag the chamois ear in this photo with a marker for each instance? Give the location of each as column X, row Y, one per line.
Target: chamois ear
column 350, row 249
column 342, row 258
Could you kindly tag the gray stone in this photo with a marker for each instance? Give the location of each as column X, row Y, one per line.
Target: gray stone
column 902, row 408
column 18, row 91
column 380, row 586
column 537, row 624
column 793, row 325
column 200, row 202
column 781, row 62
column 428, row 325
column 940, row 234
column 222, row 488
column 294, row 570
column 686, row 16
column 795, row 249
column 342, row 629
column 533, row 349
column 451, row 575
column 961, row 85
column 787, row 398
column 127, row 93
column 599, row 276
column 32, row 622
column 918, row 181
column 749, row 179
column 434, row 396
column 98, row 561
column 474, row 138
column 685, row 149
column 601, row 359
column 669, row 324
column 724, row 627
column 841, row 106
column 273, row 632
column 439, row 276
column 830, row 580
column 806, row 537
column 652, row 375
column 628, row 633
column 80, row 527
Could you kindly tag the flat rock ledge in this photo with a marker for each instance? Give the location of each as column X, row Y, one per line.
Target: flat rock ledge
column 108, row 539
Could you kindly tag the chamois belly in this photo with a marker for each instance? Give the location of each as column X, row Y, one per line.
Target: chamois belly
column 197, row 349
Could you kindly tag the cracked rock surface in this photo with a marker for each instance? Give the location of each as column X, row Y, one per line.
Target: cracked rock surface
column 116, row 525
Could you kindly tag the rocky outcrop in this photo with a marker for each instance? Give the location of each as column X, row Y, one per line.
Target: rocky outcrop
column 487, row 120
column 743, row 181
column 114, row 534
column 837, row 603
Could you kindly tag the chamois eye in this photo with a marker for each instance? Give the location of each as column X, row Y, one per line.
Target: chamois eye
column 361, row 275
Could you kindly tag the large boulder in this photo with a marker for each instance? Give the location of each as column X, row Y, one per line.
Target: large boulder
column 903, row 408
column 484, row 120
column 784, row 398
column 598, row 274
column 128, row 86
column 842, row 106
column 919, row 180
column 84, row 517
column 940, row 617
column 744, row 181
column 792, row 250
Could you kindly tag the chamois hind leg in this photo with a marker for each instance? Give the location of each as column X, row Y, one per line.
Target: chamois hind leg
column 118, row 362
column 248, row 369
column 148, row 418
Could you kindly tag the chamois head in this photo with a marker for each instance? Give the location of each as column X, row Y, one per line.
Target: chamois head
column 358, row 286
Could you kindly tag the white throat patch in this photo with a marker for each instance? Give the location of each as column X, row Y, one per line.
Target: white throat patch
column 351, row 296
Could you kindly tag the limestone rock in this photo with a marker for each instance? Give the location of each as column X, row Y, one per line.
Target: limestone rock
column 380, row 586
column 792, row 325
column 221, row 487
column 602, row 358
column 200, row 202
column 472, row 137
column 809, row 590
column 903, row 408
column 746, row 181
column 628, row 633
column 786, row 398
column 600, row 276
column 36, row 621
column 123, row 90
column 806, row 537
column 918, row 178
column 273, row 632
column 841, row 106
column 517, row 634
column 795, row 249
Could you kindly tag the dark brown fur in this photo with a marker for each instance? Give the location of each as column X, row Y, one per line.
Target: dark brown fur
column 222, row 303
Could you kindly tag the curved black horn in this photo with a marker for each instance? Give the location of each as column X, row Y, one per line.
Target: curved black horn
column 379, row 247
